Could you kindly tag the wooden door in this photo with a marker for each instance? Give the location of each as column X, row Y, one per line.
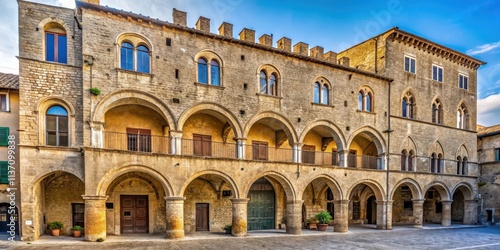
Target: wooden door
column 202, row 217
column 134, row 214
column 259, row 150
column 202, row 145
column 261, row 210
column 308, row 154
column 78, row 214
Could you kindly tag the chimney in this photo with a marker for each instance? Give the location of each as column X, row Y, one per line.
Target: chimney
column 203, row 24
column 301, row 48
column 226, row 29
column 285, row 44
column 344, row 61
column 96, row 2
column 179, row 17
column 247, row 35
column 331, row 56
column 266, row 40
column 317, row 52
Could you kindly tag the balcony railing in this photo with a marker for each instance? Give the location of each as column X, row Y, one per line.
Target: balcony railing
column 137, row 142
column 208, row 149
column 364, row 161
column 321, row 158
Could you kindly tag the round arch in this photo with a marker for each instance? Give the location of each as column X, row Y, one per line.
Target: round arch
column 466, row 189
column 374, row 135
column 416, row 190
column 287, row 125
column 209, row 55
column 124, row 97
column 45, row 24
column 330, row 183
column 332, row 128
column 48, row 172
column 441, row 188
column 375, row 186
column 111, row 175
column 136, row 38
column 287, row 185
column 269, row 69
column 215, row 110
column 217, row 173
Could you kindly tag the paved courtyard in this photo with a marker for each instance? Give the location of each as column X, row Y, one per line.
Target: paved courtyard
column 430, row 237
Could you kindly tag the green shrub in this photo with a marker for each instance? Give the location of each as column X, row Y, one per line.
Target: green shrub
column 324, row 217
column 55, row 225
column 95, row 91
column 77, row 228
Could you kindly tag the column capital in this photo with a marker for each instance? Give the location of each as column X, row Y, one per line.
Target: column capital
column 298, row 144
column 96, row 125
column 239, row 139
column 176, row 133
column 341, row 202
column 173, row 199
column 94, row 197
column 418, row 201
column 239, row 201
column 295, row 202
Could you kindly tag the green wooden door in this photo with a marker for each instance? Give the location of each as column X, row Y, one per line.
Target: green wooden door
column 261, row 210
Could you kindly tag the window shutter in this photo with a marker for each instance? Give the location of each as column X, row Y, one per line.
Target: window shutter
column 4, row 136
column 197, row 145
column 4, row 172
column 207, row 145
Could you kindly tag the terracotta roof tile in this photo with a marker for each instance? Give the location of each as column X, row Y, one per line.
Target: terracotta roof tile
column 9, row 81
column 489, row 131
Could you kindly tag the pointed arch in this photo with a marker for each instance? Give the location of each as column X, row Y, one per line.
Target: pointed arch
column 462, row 151
column 437, row 148
column 409, row 144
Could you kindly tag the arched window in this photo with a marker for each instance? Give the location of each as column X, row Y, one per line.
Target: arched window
column 464, row 166
column 437, row 116
column 462, row 117
column 263, row 82
column 407, row 106
column 317, row 92
column 127, row 56
column 411, row 157
column 272, row 85
column 369, row 102
column 459, row 164
column 214, row 73
column 360, row 101
column 440, row 163
column 404, row 160
column 143, row 59
column 326, row 94
column 202, row 71
column 404, row 107
column 56, row 48
column 433, row 163
column 57, row 126
column 410, row 108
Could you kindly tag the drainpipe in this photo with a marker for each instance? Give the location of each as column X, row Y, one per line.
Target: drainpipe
column 376, row 54
column 388, row 131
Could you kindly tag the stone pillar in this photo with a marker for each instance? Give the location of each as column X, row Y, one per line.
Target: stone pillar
column 294, row 217
column 175, row 217
column 384, row 215
column 97, row 131
column 239, row 222
column 418, row 212
column 470, row 212
column 176, row 142
column 446, row 219
column 341, row 216
column 240, row 148
column 95, row 217
column 344, row 158
column 297, row 152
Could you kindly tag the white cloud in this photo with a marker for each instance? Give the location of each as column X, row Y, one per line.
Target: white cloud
column 483, row 48
column 488, row 110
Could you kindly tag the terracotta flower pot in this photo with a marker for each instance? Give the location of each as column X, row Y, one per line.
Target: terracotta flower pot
column 77, row 233
column 55, row 232
column 322, row 227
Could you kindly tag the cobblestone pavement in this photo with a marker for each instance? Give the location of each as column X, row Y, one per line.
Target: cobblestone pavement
column 454, row 238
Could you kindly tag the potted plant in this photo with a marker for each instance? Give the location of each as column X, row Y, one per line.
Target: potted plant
column 77, row 231
column 312, row 223
column 323, row 219
column 227, row 228
column 55, row 227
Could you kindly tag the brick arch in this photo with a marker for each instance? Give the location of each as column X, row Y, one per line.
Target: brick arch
column 209, row 55
column 135, row 38
column 377, row 189
column 441, row 188
column 416, row 190
column 124, row 97
column 43, row 174
column 214, row 109
column 43, row 25
column 330, row 183
column 334, row 130
column 375, row 136
column 287, row 125
column 113, row 174
column 269, row 69
column 220, row 174
column 287, row 185
column 466, row 189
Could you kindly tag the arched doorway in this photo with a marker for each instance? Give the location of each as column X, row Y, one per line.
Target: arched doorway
column 261, row 206
column 371, row 210
column 434, row 209
column 9, row 219
column 367, row 205
column 457, row 207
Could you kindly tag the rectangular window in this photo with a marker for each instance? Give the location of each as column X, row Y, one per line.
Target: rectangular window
column 463, row 81
column 202, row 145
column 4, row 136
column 4, row 102
column 4, row 172
column 139, row 140
column 437, row 73
column 259, row 150
column 308, row 154
column 56, row 48
column 497, row 154
column 410, row 64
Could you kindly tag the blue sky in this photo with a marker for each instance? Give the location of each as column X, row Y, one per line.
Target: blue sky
column 467, row 26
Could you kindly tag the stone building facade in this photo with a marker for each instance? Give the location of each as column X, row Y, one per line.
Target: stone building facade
column 135, row 125
column 488, row 148
column 9, row 167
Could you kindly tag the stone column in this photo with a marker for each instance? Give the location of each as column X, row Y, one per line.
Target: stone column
column 95, row 217
column 97, row 138
column 294, row 217
column 384, row 215
column 446, row 213
column 175, row 217
column 470, row 212
column 341, row 216
column 418, row 212
column 239, row 223
column 176, row 142
column 297, row 152
column 344, row 158
column 240, row 148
